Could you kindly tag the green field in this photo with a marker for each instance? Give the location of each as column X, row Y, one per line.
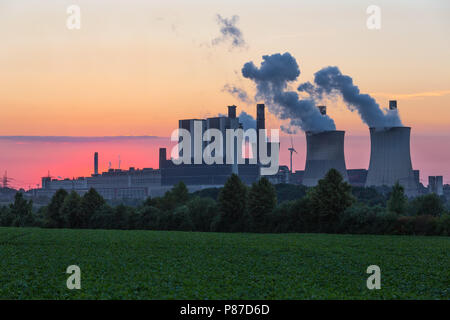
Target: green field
column 188, row 265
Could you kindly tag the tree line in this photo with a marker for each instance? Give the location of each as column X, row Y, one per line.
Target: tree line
column 330, row 207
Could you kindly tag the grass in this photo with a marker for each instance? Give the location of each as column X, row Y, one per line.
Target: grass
column 188, row 265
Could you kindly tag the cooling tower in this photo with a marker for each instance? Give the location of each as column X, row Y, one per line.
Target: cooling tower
column 324, row 151
column 390, row 159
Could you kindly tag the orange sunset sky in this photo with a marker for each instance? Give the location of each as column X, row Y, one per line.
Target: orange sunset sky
column 136, row 67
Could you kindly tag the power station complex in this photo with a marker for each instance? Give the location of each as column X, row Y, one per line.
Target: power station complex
column 390, row 162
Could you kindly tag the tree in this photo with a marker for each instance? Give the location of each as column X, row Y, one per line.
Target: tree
column 369, row 195
column 180, row 193
column 202, row 212
column 232, row 203
column 133, row 218
column 90, row 203
column 288, row 192
column 71, row 211
column 102, row 218
column 397, row 202
column 6, row 217
column 121, row 217
column 180, row 219
column 303, row 217
column 329, row 199
column 149, row 202
column 430, row 204
column 262, row 199
column 21, row 211
column 279, row 220
column 212, row 193
column 150, row 218
column 53, row 217
column 172, row 199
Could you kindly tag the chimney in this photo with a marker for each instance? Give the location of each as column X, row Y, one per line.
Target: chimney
column 232, row 112
column 323, row 110
column 392, row 104
column 162, row 157
column 96, row 163
column 260, row 124
column 260, row 118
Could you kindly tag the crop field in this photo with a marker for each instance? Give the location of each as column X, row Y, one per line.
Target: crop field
column 187, row 265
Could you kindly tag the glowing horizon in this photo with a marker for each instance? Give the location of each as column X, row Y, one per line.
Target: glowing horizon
column 136, row 67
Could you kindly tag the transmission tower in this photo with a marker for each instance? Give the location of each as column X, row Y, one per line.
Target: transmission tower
column 6, row 180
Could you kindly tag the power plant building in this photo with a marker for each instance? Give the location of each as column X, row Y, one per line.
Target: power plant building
column 112, row 184
column 436, row 185
column 202, row 175
column 390, row 162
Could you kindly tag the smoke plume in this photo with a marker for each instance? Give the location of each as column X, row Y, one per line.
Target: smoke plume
column 248, row 122
column 229, row 31
column 272, row 79
column 239, row 93
column 330, row 81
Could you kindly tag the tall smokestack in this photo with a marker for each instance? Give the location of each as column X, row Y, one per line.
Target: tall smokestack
column 392, row 104
column 232, row 112
column 96, row 163
column 260, row 124
column 260, row 117
column 323, row 110
column 162, row 157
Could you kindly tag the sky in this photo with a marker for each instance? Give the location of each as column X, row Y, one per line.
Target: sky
column 135, row 67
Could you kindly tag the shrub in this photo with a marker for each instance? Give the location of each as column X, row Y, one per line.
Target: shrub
column 443, row 225
column 430, row 204
column 6, row 217
column 202, row 212
column 280, row 219
column 360, row 219
column 385, row 222
column 303, row 217
column 425, row 225
column 354, row 219
column 369, row 196
column 150, row 218
column 133, row 219
column 404, row 225
column 289, row 192
column 102, row 218
column 180, row 219
column 121, row 217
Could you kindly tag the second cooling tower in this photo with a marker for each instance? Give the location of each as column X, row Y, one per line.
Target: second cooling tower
column 390, row 159
column 324, row 151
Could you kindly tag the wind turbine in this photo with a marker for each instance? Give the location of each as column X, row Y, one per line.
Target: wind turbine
column 291, row 149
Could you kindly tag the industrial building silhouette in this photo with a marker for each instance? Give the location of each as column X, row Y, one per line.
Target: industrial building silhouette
column 390, row 161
